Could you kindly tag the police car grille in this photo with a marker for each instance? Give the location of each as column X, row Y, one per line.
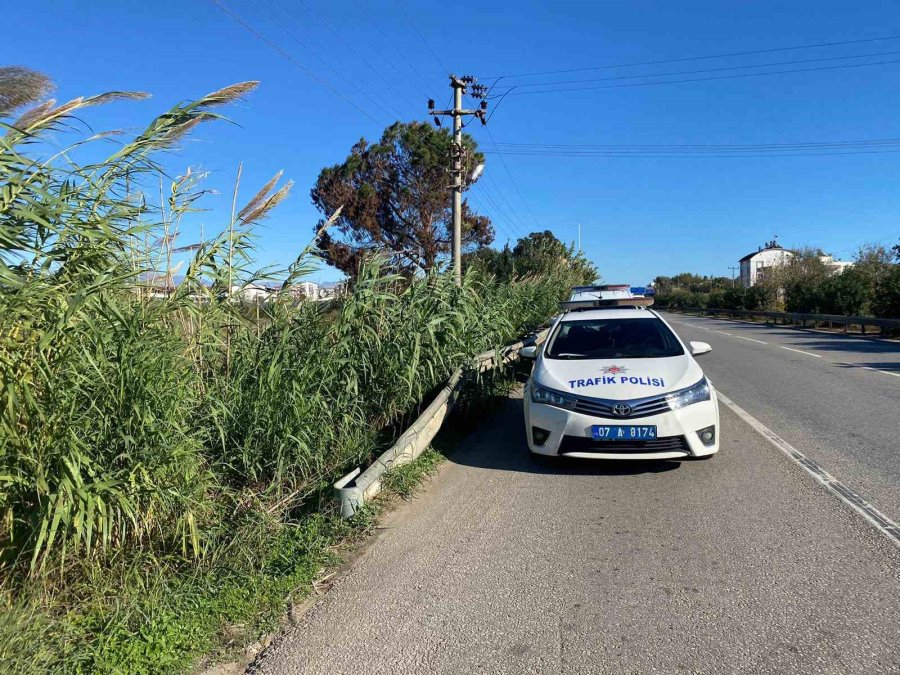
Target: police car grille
column 582, row 444
column 644, row 408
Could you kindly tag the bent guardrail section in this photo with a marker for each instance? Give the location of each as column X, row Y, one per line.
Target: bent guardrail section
column 358, row 487
column 795, row 317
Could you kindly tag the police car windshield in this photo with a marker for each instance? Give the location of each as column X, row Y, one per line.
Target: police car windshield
column 613, row 339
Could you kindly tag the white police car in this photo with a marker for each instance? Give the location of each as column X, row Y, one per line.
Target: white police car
column 614, row 381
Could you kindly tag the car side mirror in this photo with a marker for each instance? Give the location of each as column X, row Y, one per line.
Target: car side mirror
column 529, row 352
column 698, row 348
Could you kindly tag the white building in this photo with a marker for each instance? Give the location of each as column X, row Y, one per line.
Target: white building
column 754, row 265
column 252, row 292
column 334, row 289
column 309, row 289
column 834, row 266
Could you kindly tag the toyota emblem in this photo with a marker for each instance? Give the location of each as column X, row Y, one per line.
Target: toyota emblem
column 621, row 409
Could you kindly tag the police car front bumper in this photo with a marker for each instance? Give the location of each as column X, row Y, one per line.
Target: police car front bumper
column 568, row 433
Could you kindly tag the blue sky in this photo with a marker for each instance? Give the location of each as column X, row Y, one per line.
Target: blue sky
column 640, row 216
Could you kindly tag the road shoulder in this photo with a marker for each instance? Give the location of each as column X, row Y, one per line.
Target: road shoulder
column 741, row 563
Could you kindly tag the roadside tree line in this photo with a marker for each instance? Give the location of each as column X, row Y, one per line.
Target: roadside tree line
column 871, row 287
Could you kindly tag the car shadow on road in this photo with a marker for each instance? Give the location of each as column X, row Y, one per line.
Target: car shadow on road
column 501, row 445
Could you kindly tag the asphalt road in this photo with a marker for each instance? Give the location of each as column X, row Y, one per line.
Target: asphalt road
column 835, row 398
column 738, row 564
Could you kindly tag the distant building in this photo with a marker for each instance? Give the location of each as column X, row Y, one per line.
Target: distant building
column 755, row 265
column 834, row 266
column 252, row 292
column 334, row 289
column 308, row 290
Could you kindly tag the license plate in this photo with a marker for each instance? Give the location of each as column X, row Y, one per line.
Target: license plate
column 623, row 433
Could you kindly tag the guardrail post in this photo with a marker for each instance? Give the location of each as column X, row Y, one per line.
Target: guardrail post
column 862, row 327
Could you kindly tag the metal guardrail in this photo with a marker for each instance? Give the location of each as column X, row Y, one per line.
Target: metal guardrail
column 358, row 487
column 796, row 318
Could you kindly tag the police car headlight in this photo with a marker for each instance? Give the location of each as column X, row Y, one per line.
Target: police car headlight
column 693, row 394
column 546, row 396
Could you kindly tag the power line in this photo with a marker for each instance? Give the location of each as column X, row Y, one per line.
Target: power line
column 349, row 45
column 374, row 22
column 367, row 95
column 696, row 156
column 699, row 58
column 495, row 195
column 511, row 179
column 703, row 79
column 500, row 222
column 290, row 58
column 516, row 220
column 421, row 37
column 706, row 70
column 496, row 105
column 499, row 216
column 703, row 146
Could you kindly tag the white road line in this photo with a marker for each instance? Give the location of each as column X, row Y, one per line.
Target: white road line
column 875, row 517
column 741, row 337
column 886, row 372
column 723, row 332
column 800, row 351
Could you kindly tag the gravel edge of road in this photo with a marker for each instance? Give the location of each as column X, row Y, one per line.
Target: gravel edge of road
column 389, row 505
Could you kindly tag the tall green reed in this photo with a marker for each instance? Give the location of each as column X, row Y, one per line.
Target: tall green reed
column 137, row 422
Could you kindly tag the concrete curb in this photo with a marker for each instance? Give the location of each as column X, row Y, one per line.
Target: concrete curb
column 358, row 487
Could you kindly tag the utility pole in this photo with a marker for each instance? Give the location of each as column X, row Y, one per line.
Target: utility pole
column 732, row 268
column 457, row 155
column 579, row 237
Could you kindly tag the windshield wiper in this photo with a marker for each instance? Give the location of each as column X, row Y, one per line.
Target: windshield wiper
column 566, row 355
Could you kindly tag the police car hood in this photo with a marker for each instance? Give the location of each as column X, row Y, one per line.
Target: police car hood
column 620, row 379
